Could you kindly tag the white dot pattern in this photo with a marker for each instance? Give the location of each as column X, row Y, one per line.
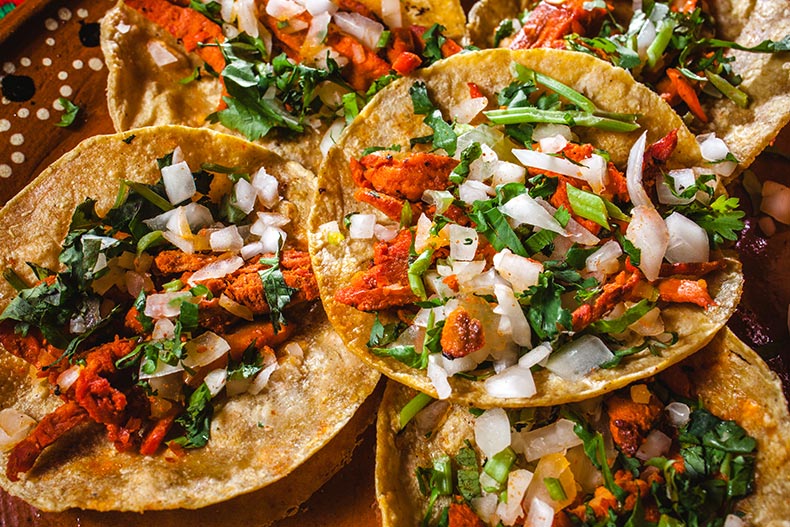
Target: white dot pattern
column 51, row 24
column 56, row 105
column 46, row 61
column 5, row 125
column 66, row 90
column 95, row 64
column 8, row 67
column 25, row 61
column 50, row 41
column 78, row 64
column 23, row 113
column 64, row 13
column 42, row 114
column 17, row 139
column 63, row 75
column 5, row 171
column 82, row 13
column 18, row 158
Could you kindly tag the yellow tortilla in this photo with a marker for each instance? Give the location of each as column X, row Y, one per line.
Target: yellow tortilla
column 140, row 93
column 766, row 77
column 255, row 440
column 389, row 119
column 730, row 379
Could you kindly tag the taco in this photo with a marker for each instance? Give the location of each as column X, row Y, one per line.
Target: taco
column 487, row 276
column 720, row 64
column 287, row 74
column 703, row 441
column 166, row 348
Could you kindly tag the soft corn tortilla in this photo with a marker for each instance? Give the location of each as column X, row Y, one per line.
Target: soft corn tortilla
column 766, row 77
column 140, row 93
column 255, row 440
column 732, row 381
column 389, row 119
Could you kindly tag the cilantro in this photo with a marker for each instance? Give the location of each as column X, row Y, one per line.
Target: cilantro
column 406, row 354
column 248, row 366
column 576, row 257
column 128, row 140
column 503, row 30
column 197, row 419
column 633, row 252
column 70, row 111
column 468, row 474
column 443, row 134
column 416, row 269
column 596, row 451
column 14, row 279
column 653, row 345
column 350, row 106
column 543, row 186
column 469, row 154
column 381, row 334
column 371, row 149
column 210, row 10
column 195, row 75
column 491, row 223
column 420, row 100
column 434, row 40
column 545, row 312
column 434, row 482
column 277, row 293
column 588, row 205
column 721, row 219
column 621, row 323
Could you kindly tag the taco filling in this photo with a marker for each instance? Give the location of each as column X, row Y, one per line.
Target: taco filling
column 520, row 248
column 672, row 46
column 183, row 291
column 644, row 455
column 291, row 65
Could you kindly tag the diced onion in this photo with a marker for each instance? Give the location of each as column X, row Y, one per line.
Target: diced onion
column 517, row 482
column 252, row 249
column 521, row 272
column 514, row 382
column 215, row 380
column 330, row 231
column 492, row 432
column 442, row 199
column 467, row 110
column 579, row 357
column 226, row 239
column 776, row 201
column 317, row 7
column 574, row 230
column 184, row 245
column 594, row 171
column 541, row 514
column 525, row 209
column 164, row 329
column 682, row 179
column 317, row 32
column 552, row 144
column 550, row 439
column 160, row 54
column 262, row 379
column 422, row 234
column 536, row 355
column 678, row 413
column 14, row 427
column 362, row 226
column 509, row 307
column 267, row 187
column 604, row 261
column 438, row 376
column 485, row 507
column 463, row 242
column 196, row 216
column 205, row 349
column 384, row 233
column 67, row 379
column 506, row 172
column 163, row 369
column 179, row 182
column 470, row 191
column 168, row 386
column 633, row 173
column 216, row 269
column 367, row 31
column 656, row 444
column 541, row 161
column 235, row 308
column 247, row 16
column 391, row 13
column 645, row 37
column 234, row 387
column 332, row 135
column 648, row 232
column 283, row 9
column 544, row 130
column 165, row 305
column 245, row 195
column 715, row 150
column 650, row 324
column 688, row 242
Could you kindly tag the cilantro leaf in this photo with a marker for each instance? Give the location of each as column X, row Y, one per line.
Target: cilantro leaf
column 196, row 420
column 545, row 312
column 70, row 111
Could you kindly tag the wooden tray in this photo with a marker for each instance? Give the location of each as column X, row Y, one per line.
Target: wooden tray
column 54, row 43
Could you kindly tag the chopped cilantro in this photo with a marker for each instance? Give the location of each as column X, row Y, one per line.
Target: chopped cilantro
column 70, row 111
column 196, row 420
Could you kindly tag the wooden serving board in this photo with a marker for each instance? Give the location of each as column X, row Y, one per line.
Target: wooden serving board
column 52, row 47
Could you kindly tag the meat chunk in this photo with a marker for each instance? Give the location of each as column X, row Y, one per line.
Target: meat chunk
column 177, row 262
column 613, row 292
column 630, row 422
column 548, row 23
column 462, row 334
column 404, row 178
column 681, row 290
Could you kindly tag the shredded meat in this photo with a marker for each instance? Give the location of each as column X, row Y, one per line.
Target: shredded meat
column 177, row 262
column 27, row 347
column 656, row 156
column 619, row 288
column 93, row 391
column 386, row 283
column 547, row 24
column 156, row 435
column 261, row 333
column 630, row 422
column 680, row 290
column 49, row 429
column 389, row 205
column 403, row 178
column 462, row 334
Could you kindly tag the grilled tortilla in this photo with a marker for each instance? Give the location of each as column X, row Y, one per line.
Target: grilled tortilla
column 766, row 81
column 255, row 440
column 390, row 120
column 731, row 381
column 142, row 93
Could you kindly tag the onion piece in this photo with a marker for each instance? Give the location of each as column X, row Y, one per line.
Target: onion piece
column 14, row 427
column 283, row 9
column 682, row 179
column 438, row 376
column 733, row 520
column 517, row 482
column 262, row 379
column 463, row 242
column 367, row 31
column 595, row 171
column 656, row 444
column 645, row 37
column 492, row 432
column 234, row 308
column 505, row 172
column 67, row 378
column 688, row 242
column 633, row 173
column 513, row 382
column 160, row 54
column 574, row 229
column 247, row 17
column 543, row 130
column 525, row 209
column 541, row 514
column 648, row 232
column 550, row 439
column 332, row 135
column 204, row 349
column 317, row 7
column 391, row 13
column 678, row 413
column 715, row 150
column 604, row 261
column 509, row 307
column 579, row 357
column 385, row 233
column 226, row 239
column 362, row 226
column 428, row 419
column 541, row 161
column 536, row 355
column 467, row 110
column 215, row 380
column 244, row 195
column 470, row 191
column 179, row 182
column 216, row 269
column 165, row 305
column 552, row 144
column 521, row 272
column 485, row 507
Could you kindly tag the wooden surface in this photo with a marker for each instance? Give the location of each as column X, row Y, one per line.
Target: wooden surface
column 41, row 40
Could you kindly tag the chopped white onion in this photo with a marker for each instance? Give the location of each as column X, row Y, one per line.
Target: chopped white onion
column 267, row 187
column 521, row 272
column 67, row 378
column 272, row 239
column 197, row 216
column 163, row 369
column 485, row 508
column 579, row 357
column 463, row 242
column 204, row 350
column 184, row 245
column 541, row 161
column 438, row 376
column 525, row 209
column 252, row 249
column 165, row 305
column 541, row 514
column 384, row 233
column 492, row 432
column 362, row 226
column 465, row 111
column 316, row 34
column 514, row 382
column 656, row 444
column 678, row 413
column 544, row 130
column 262, row 379
column 604, row 261
column 216, row 269
column 317, row 7
column 14, row 427
column 505, row 172
column 682, row 179
column 247, row 17
column 733, row 520
column 536, row 355
column 422, row 234
column 215, row 380
column 645, row 37
column 332, row 135
column 429, row 417
column 574, row 229
column 283, row 9
column 179, row 183
column 776, row 201
column 244, row 195
column 594, row 171
column 550, row 439
column 226, row 239
column 234, row 308
column 517, row 482
column 164, row 329
column 688, row 242
column 160, row 54
column 552, row 144
column 648, row 232
column 391, row 13
column 442, row 199
column 508, row 306
column 715, row 150
column 633, row 173
column 470, row 191
column 367, row 31
column 650, row 324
